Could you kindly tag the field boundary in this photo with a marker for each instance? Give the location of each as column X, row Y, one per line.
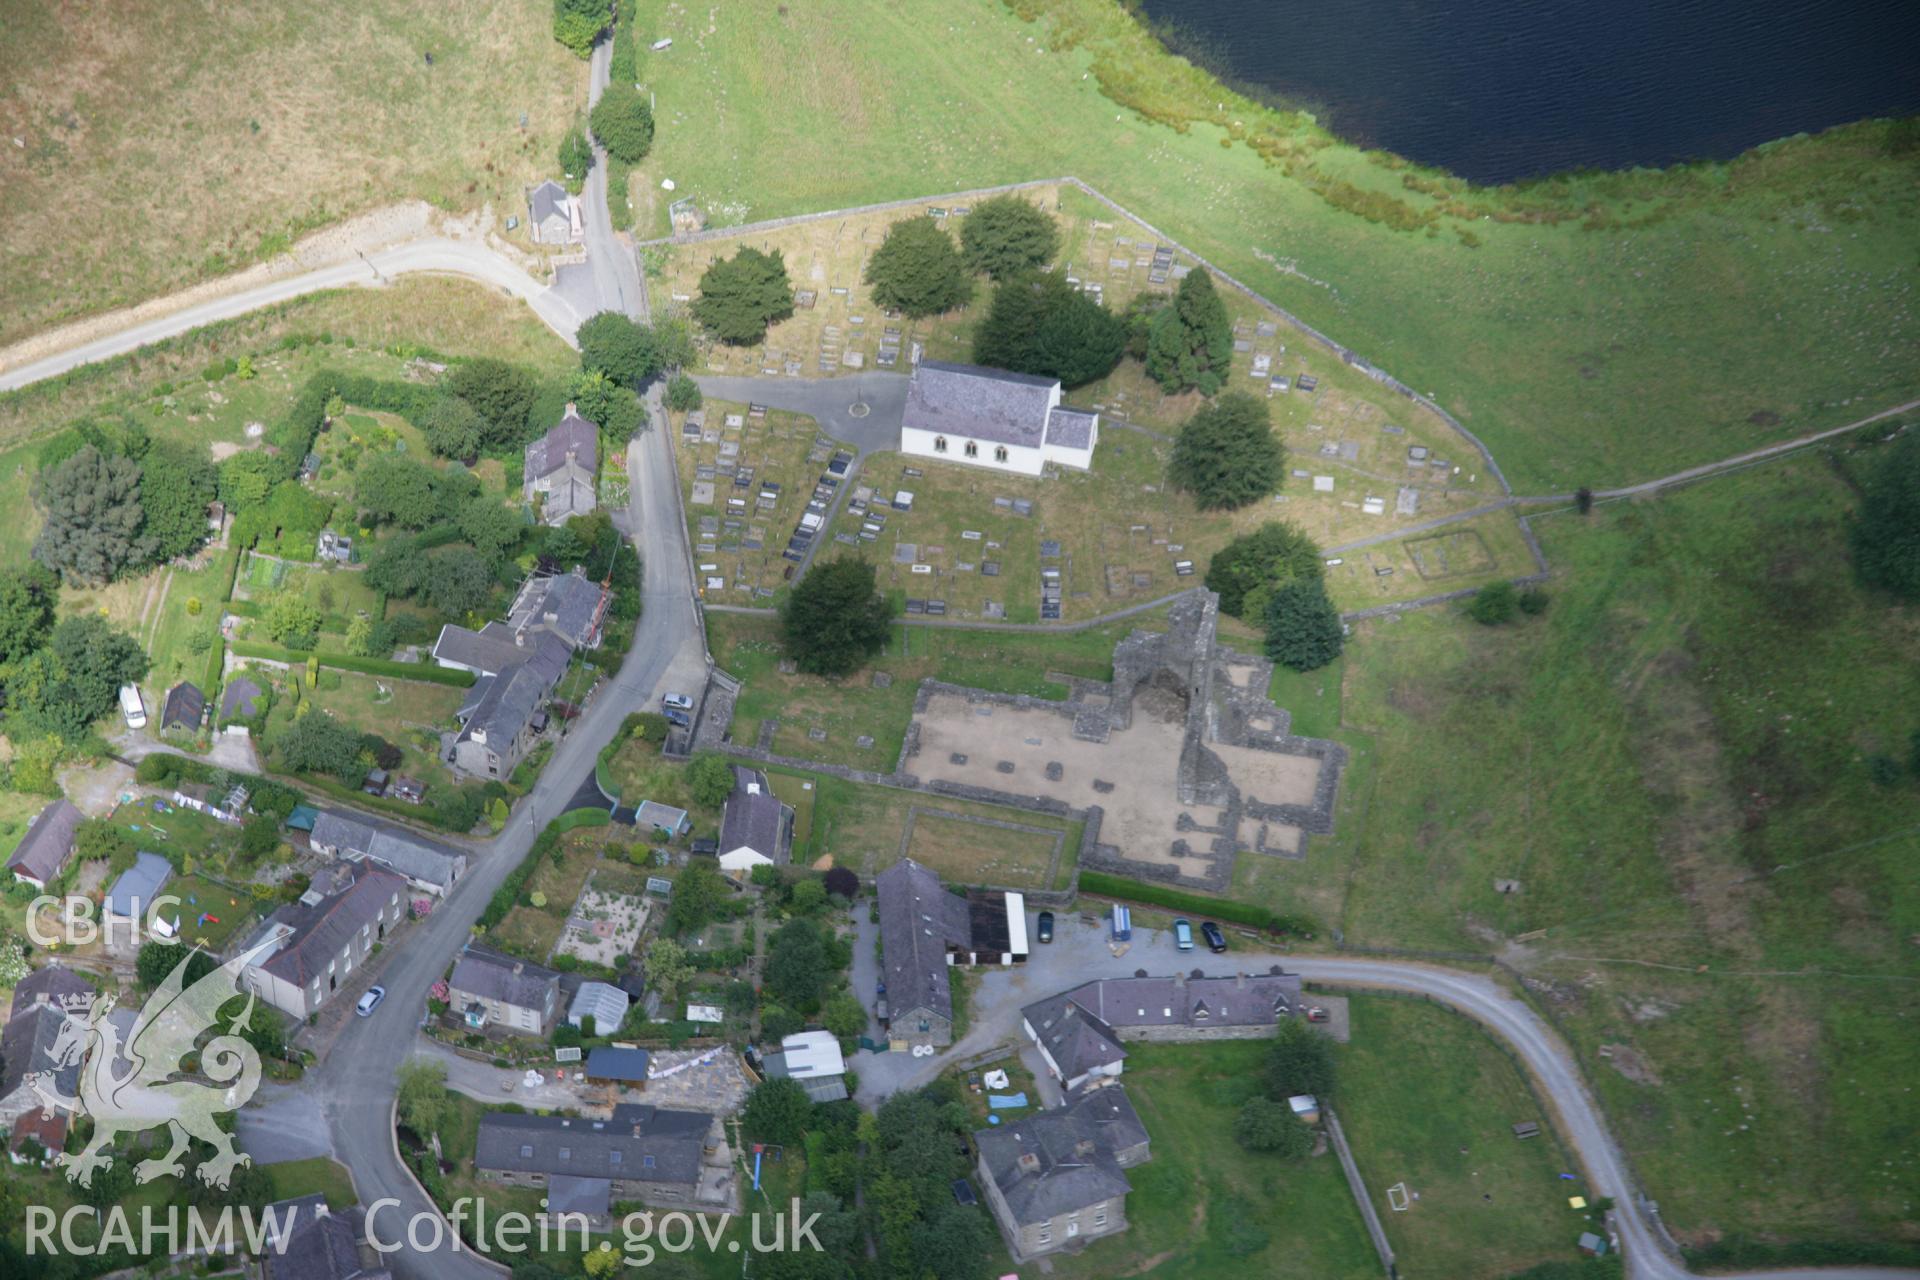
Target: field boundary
column 915, row 813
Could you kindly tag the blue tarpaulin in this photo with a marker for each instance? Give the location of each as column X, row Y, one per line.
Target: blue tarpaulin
column 1006, row 1101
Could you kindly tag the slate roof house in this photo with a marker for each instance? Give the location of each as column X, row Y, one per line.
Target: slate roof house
column 519, row 661
column 184, row 708
column 553, row 215
column 1057, row 1179
column 503, row 716
column 560, row 466
column 425, row 866
column 241, row 699
column 131, row 895
column 321, row 939
column 42, row 1003
column 313, row 1242
column 920, row 922
column 996, row 419
column 756, row 829
column 490, row 989
column 639, row 1153
column 42, row 853
column 1080, row 1033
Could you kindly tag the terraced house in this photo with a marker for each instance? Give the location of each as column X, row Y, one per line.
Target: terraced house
column 319, row 941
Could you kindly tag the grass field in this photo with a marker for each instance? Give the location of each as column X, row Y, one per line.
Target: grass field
column 329, row 1178
column 850, row 709
column 1428, row 1099
column 1583, row 356
column 862, row 827
column 1202, row 1206
column 1671, row 762
column 182, row 142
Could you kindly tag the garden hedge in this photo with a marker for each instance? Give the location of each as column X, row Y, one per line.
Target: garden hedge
column 1159, row 895
column 429, row 672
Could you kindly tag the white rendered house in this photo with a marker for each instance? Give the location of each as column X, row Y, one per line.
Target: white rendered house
column 995, row 419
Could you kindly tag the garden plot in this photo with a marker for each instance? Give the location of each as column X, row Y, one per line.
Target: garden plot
column 604, row 926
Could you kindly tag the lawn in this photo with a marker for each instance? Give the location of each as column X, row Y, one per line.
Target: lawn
column 863, row 827
column 854, row 708
column 408, row 713
column 1715, row 896
column 1427, row 1099
column 1203, row 1207
column 739, row 531
column 1593, row 329
column 294, row 1178
column 267, row 124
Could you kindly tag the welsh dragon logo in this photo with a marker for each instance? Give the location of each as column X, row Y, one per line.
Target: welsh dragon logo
column 142, row 1084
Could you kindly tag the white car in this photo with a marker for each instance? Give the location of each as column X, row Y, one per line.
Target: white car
column 370, row 1001
column 678, row 701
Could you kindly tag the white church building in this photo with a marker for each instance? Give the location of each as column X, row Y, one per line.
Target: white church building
column 995, row 419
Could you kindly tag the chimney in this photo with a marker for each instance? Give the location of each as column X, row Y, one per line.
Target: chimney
column 1083, row 1149
column 1240, row 981
column 1029, row 1162
column 480, row 736
column 573, row 410
column 1179, row 980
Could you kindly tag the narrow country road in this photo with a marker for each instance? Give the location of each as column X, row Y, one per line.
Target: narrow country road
column 433, row 255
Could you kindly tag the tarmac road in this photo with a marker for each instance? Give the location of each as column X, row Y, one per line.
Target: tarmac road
column 433, row 254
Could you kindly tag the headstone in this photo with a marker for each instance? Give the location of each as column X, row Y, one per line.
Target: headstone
column 1323, row 484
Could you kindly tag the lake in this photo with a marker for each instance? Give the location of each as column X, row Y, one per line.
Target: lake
column 1497, row 90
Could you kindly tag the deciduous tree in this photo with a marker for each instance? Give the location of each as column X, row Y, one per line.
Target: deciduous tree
column 1265, row 1125
column 175, row 488
column 1300, row 1061
column 292, row 620
column 453, row 428
column 397, row 489
column 796, row 972
column 576, row 157
column 919, row 270
column 710, row 779
column 613, row 344
column 27, row 597
column 459, row 580
column 623, row 122
column 578, row 23
column 317, row 743
column 777, row 1111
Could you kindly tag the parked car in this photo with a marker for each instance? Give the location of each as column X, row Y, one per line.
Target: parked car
column 678, row 701
column 370, row 1001
column 1216, row 941
column 1316, row 1014
column 1046, row 926
column 678, row 717
column 1183, row 934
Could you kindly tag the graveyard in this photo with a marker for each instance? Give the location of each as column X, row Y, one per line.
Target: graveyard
column 1361, row 461
column 749, row 476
